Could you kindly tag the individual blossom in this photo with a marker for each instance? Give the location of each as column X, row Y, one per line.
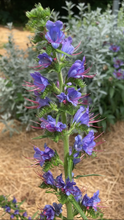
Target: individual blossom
column 39, row 103
column 119, row 74
column 12, row 216
column 68, row 188
column 57, row 208
column 48, row 153
column 24, row 214
column 39, row 156
column 89, row 143
column 73, row 96
column 59, row 183
column 77, row 70
column 51, row 125
column 91, row 202
column 62, row 97
column 48, row 213
column 82, row 116
column 78, row 143
column 7, row 208
column 40, row 82
column 77, row 193
column 76, row 158
column 117, row 63
column 45, row 60
column 54, row 35
column 16, row 212
column 114, row 48
column 14, row 200
column 67, row 46
column 48, row 178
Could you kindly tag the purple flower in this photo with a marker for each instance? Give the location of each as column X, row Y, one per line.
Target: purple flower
column 51, row 125
column 39, row 156
column 114, row 48
column 48, row 213
column 119, row 74
column 48, row 178
column 89, row 143
column 14, row 200
column 77, row 69
column 77, row 193
column 48, row 153
column 24, row 214
column 42, row 102
column 78, row 143
column 39, row 102
column 76, row 158
column 16, row 212
column 82, row 116
column 117, row 63
column 62, row 97
column 29, row 218
column 45, row 60
column 59, row 183
column 12, row 216
column 66, row 46
column 7, row 208
column 57, row 208
column 40, row 82
column 91, row 202
column 73, row 96
column 68, row 188
column 54, row 35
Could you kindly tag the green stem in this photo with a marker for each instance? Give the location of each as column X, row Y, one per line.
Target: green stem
column 66, row 151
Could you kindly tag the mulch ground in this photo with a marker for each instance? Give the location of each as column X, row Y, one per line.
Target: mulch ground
column 18, row 179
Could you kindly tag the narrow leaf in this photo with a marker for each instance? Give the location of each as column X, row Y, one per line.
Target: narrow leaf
column 60, row 51
column 78, row 176
column 76, row 205
column 35, row 214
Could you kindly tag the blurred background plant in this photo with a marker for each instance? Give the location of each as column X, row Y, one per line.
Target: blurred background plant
column 15, row 68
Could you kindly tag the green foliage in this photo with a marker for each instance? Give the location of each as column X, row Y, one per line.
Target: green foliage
column 38, row 17
column 15, row 67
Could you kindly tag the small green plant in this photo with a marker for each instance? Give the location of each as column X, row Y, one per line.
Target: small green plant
column 15, row 66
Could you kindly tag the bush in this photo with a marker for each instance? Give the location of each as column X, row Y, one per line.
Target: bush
column 15, row 67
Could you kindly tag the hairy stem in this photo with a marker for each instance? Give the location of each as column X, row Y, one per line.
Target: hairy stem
column 66, row 152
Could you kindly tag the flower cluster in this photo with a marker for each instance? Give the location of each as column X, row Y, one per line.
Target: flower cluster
column 43, row 156
column 49, row 212
column 86, row 144
column 70, row 188
column 118, row 63
column 14, row 210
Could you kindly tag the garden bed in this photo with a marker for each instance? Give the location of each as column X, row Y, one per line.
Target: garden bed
column 18, row 179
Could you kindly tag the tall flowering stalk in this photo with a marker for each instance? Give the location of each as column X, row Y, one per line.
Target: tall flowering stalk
column 57, row 53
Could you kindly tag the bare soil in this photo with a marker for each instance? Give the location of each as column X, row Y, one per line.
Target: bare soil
column 19, row 179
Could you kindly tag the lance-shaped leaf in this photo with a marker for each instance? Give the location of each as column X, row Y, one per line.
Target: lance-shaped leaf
column 77, row 207
column 60, row 51
column 78, row 176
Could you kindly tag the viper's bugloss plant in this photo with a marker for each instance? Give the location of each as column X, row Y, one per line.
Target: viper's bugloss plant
column 68, row 102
